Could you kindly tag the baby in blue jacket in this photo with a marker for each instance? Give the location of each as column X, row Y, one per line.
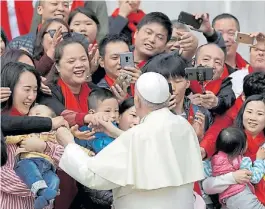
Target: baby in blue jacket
column 100, row 100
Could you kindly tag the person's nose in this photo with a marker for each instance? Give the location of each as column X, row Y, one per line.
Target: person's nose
column 83, row 28
column 226, row 37
column 261, row 53
column 31, row 95
column 152, row 38
column 60, row 6
column 79, row 64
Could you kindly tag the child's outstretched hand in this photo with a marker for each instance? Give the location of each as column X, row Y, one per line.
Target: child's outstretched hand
column 260, row 154
column 83, row 135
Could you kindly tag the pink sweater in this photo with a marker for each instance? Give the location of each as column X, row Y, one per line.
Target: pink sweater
column 221, row 164
column 14, row 193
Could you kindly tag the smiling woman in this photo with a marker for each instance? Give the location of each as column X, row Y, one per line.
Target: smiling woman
column 70, row 88
column 84, row 21
column 24, row 83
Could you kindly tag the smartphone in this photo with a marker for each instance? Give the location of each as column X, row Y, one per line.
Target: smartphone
column 244, row 38
column 199, row 73
column 189, row 19
column 170, row 88
column 126, row 59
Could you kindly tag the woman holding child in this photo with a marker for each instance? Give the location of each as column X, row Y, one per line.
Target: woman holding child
column 251, row 121
column 24, row 84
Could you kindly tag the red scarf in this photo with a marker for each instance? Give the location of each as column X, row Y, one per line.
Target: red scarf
column 213, row 86
column 253, row 146
column 250, row 69
column 141, row 64
column 24, row 14
column 13, row 112
column 240, row 64
column 77, row 3
column 111, row 82
column 133, row 19
column 71, row 101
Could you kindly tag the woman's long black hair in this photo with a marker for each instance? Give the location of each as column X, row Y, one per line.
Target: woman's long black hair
column 10, row 75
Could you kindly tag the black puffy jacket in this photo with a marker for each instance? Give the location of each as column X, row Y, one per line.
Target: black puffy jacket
column 92, row 199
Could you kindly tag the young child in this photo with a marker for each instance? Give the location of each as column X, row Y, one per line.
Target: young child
column 36, row 169
column 230, row 147
column 100, row 100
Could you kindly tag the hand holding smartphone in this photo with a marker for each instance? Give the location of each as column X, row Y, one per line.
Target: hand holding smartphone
column 126, row 60
column 189, row 19
column 245, row 38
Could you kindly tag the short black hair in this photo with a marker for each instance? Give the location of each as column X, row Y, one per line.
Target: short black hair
column 99, row 95
column 254, row 83
column 168, row 65
column 231, row 141
column 111, row 38
column 10, row 74
column 13, row 55
column 126, row 104
column 226, row 16
column 239, row 119
column 87, row 12
column 157, row 17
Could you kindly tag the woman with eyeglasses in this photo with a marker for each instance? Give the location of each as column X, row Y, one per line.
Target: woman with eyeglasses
column 49, row 35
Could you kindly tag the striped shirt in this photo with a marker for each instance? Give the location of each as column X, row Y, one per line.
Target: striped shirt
column 14, row 193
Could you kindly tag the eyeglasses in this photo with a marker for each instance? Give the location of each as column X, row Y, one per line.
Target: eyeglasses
column 64, row 34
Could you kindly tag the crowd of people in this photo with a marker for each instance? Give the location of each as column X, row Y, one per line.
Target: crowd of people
column 74, row 137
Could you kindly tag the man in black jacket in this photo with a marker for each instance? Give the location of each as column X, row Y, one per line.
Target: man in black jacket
column 16, row 125
column 218, row 97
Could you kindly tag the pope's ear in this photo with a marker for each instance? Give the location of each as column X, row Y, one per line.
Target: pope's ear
column 137, row 102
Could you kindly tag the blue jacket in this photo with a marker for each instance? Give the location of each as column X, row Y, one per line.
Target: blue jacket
column 100, row 141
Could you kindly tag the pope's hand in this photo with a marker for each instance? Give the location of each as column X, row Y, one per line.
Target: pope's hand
column 64, row 136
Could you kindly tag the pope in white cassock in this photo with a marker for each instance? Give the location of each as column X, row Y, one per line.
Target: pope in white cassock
column 152, row 165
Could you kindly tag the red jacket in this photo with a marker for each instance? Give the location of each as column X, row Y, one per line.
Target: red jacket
column 23, row 18
column 221, row 122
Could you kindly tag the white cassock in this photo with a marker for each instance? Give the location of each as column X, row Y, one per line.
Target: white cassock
column 151, row 166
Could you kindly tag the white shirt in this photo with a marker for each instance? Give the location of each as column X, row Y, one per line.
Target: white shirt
column 238, row 81
column 150, row 166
